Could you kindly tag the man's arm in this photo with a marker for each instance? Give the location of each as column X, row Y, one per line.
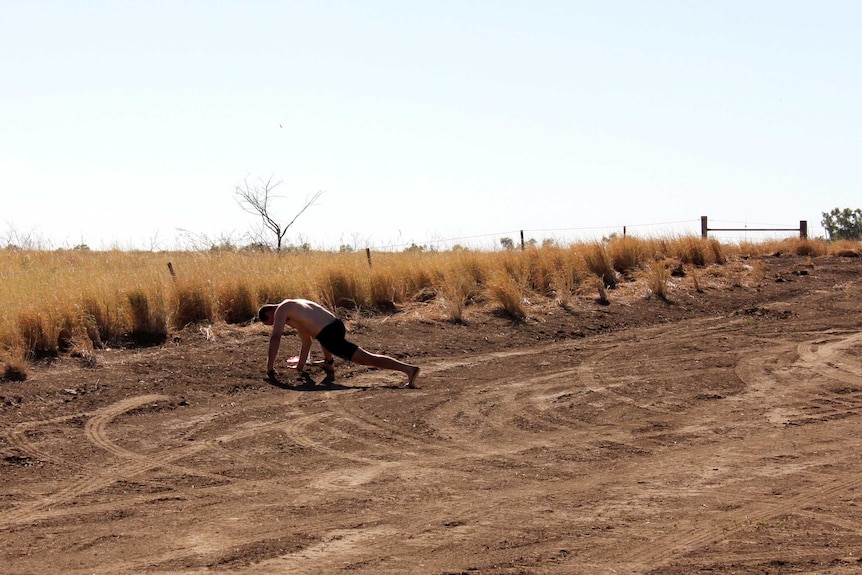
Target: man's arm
column 304, row 350
column 279, row 318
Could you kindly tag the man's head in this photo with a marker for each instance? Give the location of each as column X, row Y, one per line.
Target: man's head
column 266, row 313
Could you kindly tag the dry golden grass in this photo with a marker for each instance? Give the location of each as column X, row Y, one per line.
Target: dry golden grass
column 695, row 281
column 598, row 261
column 15, row 369
column 788, row 246
column 601, row 290
column 657, row 276
column 508, row 293
column 74, row 301
column 845, row 248
column 565, row 277
column 459, row 282
column 698, row 251
column 626, row 254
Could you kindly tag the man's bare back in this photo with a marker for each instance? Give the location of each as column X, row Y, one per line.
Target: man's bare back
column 305, row 316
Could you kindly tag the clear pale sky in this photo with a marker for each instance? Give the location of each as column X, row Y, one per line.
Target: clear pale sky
column 124, row 122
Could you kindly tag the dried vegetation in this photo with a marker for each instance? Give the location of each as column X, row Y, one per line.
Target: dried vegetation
column 55, row 302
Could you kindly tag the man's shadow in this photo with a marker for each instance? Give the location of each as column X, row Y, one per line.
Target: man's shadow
column 307, row 383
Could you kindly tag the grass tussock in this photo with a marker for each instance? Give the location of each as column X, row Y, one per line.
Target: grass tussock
column 103, row 319
column 31, row 333
column 846, row 249
column 236, row 303
column 565, row 279
column 340, row 288
column 148, row 315
column 14, row 361
column 626, row 254
column 382, row 289
column 787, row 246
column 657, row 277
column 698, row 252
column 77, row 302
column 15, row 368
column 601, row 291
column 192, row 304
column 504, row 290
column 454, row 293
column 598, row 262
column 695, row 281
column 459, row 283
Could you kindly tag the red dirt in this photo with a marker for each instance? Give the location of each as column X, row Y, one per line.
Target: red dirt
column 715, row 433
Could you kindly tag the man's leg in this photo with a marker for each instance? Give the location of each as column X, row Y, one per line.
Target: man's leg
column 363, row 357
column 328, row 362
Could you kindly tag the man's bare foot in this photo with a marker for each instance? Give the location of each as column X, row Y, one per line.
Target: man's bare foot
column 411, row 377
column 325, row 365
column 329, row 367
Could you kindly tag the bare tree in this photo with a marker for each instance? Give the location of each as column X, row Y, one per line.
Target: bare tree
column 256, row 199
column 19, row 239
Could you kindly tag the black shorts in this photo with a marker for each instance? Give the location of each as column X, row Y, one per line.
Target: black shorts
column 332, row 338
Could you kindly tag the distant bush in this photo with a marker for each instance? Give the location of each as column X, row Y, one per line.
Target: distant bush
column 843, row 224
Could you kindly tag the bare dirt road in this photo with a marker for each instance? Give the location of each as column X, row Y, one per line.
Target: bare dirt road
column 717, row 433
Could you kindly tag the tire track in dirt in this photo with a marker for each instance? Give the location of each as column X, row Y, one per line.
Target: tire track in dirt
column 784, row 380
column 135, row 464
column 378, row 457
column 360, row 469
column 340, row 542
column 828, row 357
column 306, row 428
column 668, row 346
column 17, row 438
column 299, row 429
column 444, row 365
column 316, row 432
column 492, row 409
column 355, row 418
column 764, row 374
column 831, row 358
column 495, row 408
column 587, row 376
column 441, row 440
column 532, row 409
column 44, row 508
column 39, row 510
column 661, row 553
column 95, row 429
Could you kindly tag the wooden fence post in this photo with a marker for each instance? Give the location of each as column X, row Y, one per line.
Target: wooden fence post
column 704, row 228
column 368, row 256
column 522, row 240
column 803, row 229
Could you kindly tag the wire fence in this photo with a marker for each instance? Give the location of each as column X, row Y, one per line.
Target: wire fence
column 741, row 231
column 558, row 235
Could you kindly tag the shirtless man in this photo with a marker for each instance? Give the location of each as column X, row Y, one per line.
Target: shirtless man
column 313, row 321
